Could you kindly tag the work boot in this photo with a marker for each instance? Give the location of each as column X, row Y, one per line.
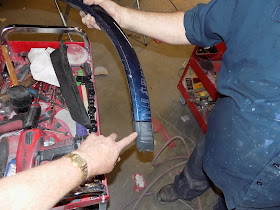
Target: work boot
column 165, row 195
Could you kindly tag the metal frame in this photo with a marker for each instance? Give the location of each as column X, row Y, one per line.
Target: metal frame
column 63, row 17
column 44, row 30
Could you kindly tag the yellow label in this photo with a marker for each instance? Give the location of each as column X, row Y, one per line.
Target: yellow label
column 197, row 85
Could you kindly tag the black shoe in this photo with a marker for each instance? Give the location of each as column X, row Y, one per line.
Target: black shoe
column 165, row 195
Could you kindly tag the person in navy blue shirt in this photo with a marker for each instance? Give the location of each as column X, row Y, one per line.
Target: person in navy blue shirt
column 240, row 151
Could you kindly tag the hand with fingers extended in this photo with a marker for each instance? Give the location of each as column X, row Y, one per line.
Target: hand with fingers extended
column 103, row 152
column 111, row 7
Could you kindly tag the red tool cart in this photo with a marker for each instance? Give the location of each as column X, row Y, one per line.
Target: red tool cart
column 57, row 127
column 198, row 82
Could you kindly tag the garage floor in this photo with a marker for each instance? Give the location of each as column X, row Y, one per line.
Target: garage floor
column 162, row 64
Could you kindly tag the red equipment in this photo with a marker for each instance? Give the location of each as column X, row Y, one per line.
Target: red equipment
column 195, row 64
column 34, row 146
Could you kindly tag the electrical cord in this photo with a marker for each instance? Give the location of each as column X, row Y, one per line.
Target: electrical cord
column 145, row 192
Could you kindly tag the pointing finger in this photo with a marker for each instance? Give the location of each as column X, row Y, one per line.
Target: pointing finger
column 126, row 140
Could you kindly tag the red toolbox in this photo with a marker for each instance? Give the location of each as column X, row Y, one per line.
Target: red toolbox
column 59, row 127
column 198, row 82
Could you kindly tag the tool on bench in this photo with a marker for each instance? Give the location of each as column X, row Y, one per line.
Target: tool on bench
column 6, row 111
column 24, row 120
column 46, row 116
column 59, row 96
column 32, row 152
column 9, row 65
column 5, row 87
column 51, row 111
column 46, row 89
column 4, row 153
column 87, row 84
column 29, row 81
column 23, row 71
column 35, row 95
column 1, row 82
column 19, row 96
column 5, row 72
column 32, row 118
column 5, row 76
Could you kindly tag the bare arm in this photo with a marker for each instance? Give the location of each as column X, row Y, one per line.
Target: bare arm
column 43, row 186
column 167, row 27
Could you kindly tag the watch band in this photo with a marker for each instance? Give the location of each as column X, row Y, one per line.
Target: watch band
column 78, row 161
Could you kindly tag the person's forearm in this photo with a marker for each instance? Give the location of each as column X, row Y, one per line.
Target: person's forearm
column 41, row 187
column 167, row 27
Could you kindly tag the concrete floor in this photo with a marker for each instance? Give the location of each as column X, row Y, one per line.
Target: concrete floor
column 161, row 64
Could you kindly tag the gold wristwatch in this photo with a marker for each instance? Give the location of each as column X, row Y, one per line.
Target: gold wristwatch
column 79, row 162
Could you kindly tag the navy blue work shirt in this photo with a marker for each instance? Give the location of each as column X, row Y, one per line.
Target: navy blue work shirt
column 243, row 136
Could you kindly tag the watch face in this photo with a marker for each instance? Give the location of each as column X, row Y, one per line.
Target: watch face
column 80, row 161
